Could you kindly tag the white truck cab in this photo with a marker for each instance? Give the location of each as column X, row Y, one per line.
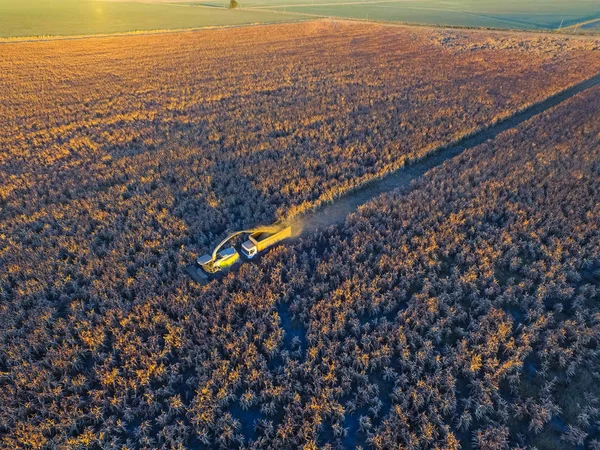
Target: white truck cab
column 249, row 249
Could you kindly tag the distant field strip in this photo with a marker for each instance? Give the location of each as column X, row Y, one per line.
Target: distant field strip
column 292, row 5
column 20, row 18
column 487, row 13
column 85, row 17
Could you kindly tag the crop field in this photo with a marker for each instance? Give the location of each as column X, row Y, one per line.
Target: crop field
column 513, row 14
column 462, row 312
column 83, row 17
column 123, row 158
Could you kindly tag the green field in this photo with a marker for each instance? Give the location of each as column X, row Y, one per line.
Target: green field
column 80, row 17
column 514, row 14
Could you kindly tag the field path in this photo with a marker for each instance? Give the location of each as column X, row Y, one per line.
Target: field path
column 574, row 27
column 336, row 212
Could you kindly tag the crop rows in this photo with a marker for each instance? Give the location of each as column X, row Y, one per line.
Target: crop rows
column 121, row 158
column 464, row 312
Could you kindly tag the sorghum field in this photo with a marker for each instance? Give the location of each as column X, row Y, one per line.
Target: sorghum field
column 121, row 158
column 462, row 313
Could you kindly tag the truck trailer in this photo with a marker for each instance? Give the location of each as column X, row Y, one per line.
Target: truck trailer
column 260, row 240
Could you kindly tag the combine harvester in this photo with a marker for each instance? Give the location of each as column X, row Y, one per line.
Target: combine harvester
column 259, row 239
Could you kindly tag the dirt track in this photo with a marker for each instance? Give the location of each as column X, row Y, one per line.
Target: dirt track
column 337, row 211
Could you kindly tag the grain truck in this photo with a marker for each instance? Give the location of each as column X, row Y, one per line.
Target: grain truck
column 261, row 240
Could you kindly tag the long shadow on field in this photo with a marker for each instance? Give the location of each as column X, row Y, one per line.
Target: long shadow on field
column 336, row 212
column 236, row 214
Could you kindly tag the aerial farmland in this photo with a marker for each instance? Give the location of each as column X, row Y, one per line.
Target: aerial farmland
column 391, row 231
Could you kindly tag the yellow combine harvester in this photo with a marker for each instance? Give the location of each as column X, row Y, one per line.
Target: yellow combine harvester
column 222, row 260
column 259, row 239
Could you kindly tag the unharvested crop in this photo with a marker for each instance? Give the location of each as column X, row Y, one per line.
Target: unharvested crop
column 121, row 158
column 464, row 312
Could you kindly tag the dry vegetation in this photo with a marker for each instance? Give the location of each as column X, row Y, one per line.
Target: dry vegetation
column 464, row 313
column 122, row 157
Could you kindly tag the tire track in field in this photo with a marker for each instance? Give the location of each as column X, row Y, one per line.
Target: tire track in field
column 336, row 211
